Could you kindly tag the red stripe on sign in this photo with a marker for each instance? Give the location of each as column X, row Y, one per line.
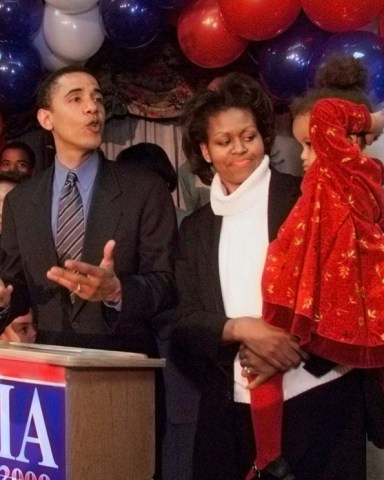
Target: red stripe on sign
column 32, row 371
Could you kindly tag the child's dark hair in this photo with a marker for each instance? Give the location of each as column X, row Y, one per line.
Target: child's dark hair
column 340, row 76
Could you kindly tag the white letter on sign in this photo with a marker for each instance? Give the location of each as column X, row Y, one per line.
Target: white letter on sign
column 5, row 430
column 36, row 414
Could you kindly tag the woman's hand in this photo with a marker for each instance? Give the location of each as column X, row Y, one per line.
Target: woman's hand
column 274, row 345
column 255, row 367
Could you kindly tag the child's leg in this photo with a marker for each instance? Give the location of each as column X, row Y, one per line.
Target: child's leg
column 267, row 417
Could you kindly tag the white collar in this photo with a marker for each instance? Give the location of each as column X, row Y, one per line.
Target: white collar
column 245, row 196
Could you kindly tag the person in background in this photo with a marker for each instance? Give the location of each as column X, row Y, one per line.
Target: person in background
column 181, row 395
column 219, row 266
column 8, row 182
column 21, row 329
column 155, row 158
column 195, row 191
column 17, row 156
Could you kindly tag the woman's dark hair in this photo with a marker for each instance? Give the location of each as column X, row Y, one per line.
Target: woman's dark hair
column 339, row 76
column 235, row 90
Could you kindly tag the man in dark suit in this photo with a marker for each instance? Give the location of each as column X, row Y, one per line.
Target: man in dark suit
column 124, row 277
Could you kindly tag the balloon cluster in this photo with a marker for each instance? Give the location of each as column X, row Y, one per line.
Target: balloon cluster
column 36, row 37
column 287, row 40
column 284, row 60
column 20, row 63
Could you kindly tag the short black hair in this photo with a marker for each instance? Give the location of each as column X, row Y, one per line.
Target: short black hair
column 44, row 95
column 152, row 156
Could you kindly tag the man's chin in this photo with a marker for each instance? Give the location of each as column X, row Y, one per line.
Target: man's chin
column 94, row 144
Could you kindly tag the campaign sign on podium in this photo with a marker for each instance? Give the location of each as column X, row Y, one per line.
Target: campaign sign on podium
column 76, row 414
column 32, row 421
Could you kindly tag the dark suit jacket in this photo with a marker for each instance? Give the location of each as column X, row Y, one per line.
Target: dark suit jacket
column 130, row 205
column 199, row 319
column 201, row 310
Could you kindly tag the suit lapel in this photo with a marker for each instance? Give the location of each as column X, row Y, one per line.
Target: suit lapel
column 104, row 214
column 103, row 218
column 215, row 264
column 40, row 226
column 210, row 230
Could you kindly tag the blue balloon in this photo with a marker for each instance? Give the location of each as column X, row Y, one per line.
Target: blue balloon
column 173, row 3
column 367, row 46
column 20, row 20
column 131, row 23
column 21, row 71
column 284, row 60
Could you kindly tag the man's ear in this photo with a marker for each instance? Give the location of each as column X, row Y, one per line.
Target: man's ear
column 205, row 153
column 44, row 118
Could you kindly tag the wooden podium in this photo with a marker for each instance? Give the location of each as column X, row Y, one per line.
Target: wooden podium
column 76, row 414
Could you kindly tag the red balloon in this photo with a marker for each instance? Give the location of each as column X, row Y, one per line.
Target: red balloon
column 381, row 25
column 203, row 37
column 342, row 15
column 259, row 19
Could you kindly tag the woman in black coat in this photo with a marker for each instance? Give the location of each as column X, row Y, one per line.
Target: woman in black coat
column 227, row 138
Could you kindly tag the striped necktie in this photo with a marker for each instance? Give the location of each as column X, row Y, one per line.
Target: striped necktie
column 70, row 221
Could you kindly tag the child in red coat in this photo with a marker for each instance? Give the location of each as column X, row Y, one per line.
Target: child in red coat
column 324, row 274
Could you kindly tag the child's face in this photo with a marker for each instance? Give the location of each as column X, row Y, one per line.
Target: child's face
column 300, row 130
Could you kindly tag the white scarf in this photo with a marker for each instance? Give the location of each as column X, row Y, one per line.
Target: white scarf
column 242, row 250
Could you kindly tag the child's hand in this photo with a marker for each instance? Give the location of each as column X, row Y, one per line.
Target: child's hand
column 259, row 379
column 254, row 367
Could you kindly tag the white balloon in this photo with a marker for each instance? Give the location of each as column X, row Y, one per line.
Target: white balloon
column 72, row 6
column 74, row 37
column 51, row 61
